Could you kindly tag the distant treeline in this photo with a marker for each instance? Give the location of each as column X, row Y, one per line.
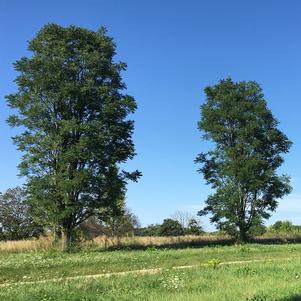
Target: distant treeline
column 17, row 223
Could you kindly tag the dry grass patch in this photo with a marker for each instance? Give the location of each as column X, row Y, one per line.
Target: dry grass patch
column 41, row 244
column 104, row 242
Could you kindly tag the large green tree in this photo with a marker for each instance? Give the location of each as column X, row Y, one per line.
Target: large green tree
column 242, row 166
column 76, row 131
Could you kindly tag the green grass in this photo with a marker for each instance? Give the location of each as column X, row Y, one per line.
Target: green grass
column 254, row 281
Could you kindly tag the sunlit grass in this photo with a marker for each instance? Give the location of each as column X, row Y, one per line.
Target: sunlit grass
column 256, row 282
column 32, row 266
column 213, row 276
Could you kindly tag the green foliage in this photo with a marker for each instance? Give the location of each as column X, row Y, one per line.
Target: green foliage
column 109, row 224
column 257, row 229
column 194, row 227
column 125, row 223
column 16, row 221
column 284, row 228
column 150, row 230
column 171, row 227
column 213, row 263
column 259, row 297
column 246, row 271
column 241, row 169
column 151, row 249
column 76, row 129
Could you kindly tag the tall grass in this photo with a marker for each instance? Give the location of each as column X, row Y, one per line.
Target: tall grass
column 138, row 242
column 41, row 244
column 104, row 242
column 155, row 241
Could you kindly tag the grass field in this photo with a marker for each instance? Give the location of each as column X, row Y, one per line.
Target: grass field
column 215, row 274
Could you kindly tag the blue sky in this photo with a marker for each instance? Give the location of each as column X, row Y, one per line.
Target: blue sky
column 173, row 49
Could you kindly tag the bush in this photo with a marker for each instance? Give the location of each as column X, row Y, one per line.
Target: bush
column 284, row 227
column 213, row 263
column 171, row 227
column 150, row 230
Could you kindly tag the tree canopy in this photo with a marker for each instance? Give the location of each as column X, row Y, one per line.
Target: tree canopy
column 171, row 227
column 76, row 128
column 242, row 167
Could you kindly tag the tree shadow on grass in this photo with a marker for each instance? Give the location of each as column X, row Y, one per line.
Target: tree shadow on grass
column 291, row 298
column 277, row 240
column 202, row 242
column 174, row 245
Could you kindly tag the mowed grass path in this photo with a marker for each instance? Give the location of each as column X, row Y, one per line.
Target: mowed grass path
column 252, row 281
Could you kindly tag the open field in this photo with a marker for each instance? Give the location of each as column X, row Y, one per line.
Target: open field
column 214, row 274
column 253, row 282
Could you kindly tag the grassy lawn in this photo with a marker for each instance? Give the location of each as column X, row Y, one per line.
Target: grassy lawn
column 253, row 281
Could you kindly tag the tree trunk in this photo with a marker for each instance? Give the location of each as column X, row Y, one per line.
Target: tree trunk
column 243, row 236
column 66, row 239
column 57, row 234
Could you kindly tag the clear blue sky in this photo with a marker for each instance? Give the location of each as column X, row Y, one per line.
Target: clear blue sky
column 173, row 50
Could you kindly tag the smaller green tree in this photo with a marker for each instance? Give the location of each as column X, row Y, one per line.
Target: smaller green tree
column 242, row 168
column 194, row 227
column 171, row 227
column 122, row 224
column 150, row 230
column 16, row 221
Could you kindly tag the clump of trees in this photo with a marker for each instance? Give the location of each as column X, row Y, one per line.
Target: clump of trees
column 149, row 230
column 190, row 224
column 126, row 223
column 75, row 124
column 182, row 223
column 284, row 227
column 242, row 167
column 16, row 220
column 171, row 227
